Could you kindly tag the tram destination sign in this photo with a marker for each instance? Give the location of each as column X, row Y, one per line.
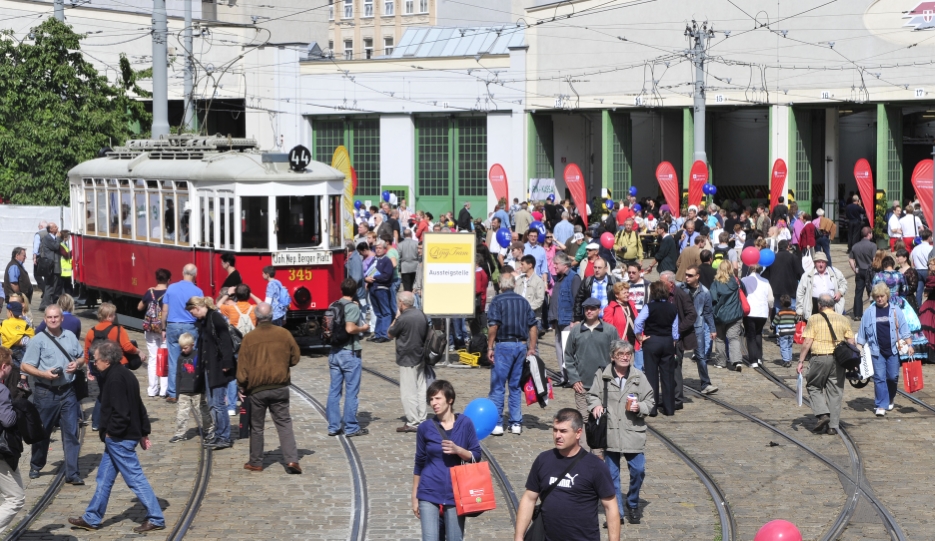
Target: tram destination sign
column 293, row 259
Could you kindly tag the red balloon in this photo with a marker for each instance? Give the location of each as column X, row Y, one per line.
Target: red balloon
column 607, row 240
column 750, row 255
column 778, row 530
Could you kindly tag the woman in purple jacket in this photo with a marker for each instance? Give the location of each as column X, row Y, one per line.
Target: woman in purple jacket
column 432, row 496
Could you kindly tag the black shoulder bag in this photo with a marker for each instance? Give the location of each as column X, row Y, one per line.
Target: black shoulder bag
column 536, row 530
column 846, row 355
column 595, row 430
column 80, row 384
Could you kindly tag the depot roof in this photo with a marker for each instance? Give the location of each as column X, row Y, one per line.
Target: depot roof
column 438, row 41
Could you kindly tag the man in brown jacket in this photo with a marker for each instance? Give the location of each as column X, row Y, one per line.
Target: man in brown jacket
column 266, row 355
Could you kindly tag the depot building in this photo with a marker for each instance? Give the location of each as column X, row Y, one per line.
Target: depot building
column 610, row 87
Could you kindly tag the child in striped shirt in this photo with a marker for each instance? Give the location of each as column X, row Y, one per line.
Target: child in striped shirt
column 784, row 323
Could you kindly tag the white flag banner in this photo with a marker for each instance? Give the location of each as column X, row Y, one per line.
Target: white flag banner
column 541, row 188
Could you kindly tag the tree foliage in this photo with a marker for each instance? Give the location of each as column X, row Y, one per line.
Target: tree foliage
column 56, row 110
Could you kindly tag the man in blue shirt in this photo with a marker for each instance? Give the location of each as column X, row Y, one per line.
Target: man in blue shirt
column 502, row 215
column 511, row 323
column 176, row 320
column 564, row 230
column 274, row 290
column 533, row 248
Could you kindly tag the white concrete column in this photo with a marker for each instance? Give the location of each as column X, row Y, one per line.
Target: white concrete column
column 779, row 139
column 832, row 155
column 398, row 153
column 501, row 148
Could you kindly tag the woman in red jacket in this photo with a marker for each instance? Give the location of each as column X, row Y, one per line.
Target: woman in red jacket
column 808, row 234
column 621, row 312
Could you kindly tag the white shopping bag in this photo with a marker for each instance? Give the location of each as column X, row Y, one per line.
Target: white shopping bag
column 798, row 390
column 807, row 262
column 866, row 362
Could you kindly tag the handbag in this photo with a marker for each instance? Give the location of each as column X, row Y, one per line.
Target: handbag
column 471, row 484
column 799, row 329
column 846, row 355
column 912, row 376
column 162, row 362
column 536, row 530
column 595, row 430
column 744, row 305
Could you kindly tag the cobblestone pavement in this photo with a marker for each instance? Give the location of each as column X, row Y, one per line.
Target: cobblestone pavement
column 761, row 481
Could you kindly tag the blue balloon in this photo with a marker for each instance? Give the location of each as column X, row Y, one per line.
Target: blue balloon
column 538, row 227
column 386, row 196
column 503, row 237
column 713, row 189
column 551, row 197
column 358, row 204
column 917, row 241
column 633, row 191
column 767, row 257
column 483, row 413
column 706, row 189
column 637, row 207
column 610, row 204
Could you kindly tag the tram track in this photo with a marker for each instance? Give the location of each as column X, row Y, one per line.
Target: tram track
column 917, row 401
column 46, row 499
column 360, row 507
column 497, row 470
column 197, row 496
column 857, row 485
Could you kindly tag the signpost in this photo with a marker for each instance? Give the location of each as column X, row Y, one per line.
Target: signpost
column 448, row 276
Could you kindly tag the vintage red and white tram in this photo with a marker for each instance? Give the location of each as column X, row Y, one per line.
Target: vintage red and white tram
column 169, row 202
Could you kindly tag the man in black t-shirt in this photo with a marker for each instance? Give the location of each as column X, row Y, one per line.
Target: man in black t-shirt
column 569, row 510
column 233, row 277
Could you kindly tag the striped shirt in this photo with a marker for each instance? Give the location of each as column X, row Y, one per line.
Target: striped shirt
column 818, row 330
column 513, row 316
column 785, row 323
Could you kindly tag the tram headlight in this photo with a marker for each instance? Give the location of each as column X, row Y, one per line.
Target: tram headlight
column 302, row 296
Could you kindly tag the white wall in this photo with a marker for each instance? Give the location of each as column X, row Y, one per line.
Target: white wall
column 273, row 107
column 397, row 153
column 19, row 225
column 500, row 149
column 779, row 145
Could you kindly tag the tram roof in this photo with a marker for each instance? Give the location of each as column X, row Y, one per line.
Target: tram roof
column 209, row 160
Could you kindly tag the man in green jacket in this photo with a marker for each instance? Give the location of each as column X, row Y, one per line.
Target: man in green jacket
column 587, row 351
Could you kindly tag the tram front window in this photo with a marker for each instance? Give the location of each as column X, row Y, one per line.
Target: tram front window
column 254, row 223
column 297, row 222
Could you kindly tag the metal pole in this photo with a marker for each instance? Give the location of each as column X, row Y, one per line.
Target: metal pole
column 189, row 120
column 60, row 10
column 160, row 71
column 698, row 35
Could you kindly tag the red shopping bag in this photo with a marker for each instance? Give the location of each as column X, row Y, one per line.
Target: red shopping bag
column 912, row 376
column 162, row 363
column 529, row 389
column 799, row 329
column 473, row 488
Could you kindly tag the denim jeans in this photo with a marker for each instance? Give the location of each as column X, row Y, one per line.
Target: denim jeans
column 823, row 244
column 638, row 359
column 394, row 288
column 923, row 275
column 701, row 354
column 95, row 413
column 120, row 456
column 636, row 463
column 459, row 332
column 885, row 379
column 232, row 396
column 507, row 369
column 57, row 406
column 785, row 348
column 438, row 528
column 217, row 401
column 173, row 331
column 345, row 366
column 381, row 306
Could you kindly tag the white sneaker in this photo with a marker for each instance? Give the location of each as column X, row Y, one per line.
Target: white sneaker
column 232, row 413
column 516, row 429
column 710, row 389
column 890, row 407
column 497, row 430
column 880, row 412
column 754, row 364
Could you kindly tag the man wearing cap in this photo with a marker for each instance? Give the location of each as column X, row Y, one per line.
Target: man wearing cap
column 587, row 255
column 823, row 279
column 587, row 351
column 511, row 336
column 825, row 230
column 522, row 218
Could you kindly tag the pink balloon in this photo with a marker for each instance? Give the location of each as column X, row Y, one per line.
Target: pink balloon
column 778, row 530
column 750, row 255
column 607, row 240
column 537, row 215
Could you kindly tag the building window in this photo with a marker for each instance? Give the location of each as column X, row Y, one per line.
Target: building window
column 368, row 48
column 472, row 156
column 410, row 7
column 452, row 154
column 361, row 137
column 348, row 50
column 434, row 172
column 389, row 7
column 331, row 47
column 387, row 46
column 348, row 9
column 330, row 10
column 423, row 6
column 368, row 8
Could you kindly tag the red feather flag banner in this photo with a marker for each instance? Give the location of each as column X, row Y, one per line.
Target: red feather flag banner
column 497, row 177
column 698, row 177
column 777, row 182
column 574, row 180
column 864, row 177
column 669, row 182
column 922, row 182
column 353, row 179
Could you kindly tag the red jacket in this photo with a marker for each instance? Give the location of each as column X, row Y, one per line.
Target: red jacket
column 807, row 236
column 616, row 315
column 623, row 214
column 480, row 286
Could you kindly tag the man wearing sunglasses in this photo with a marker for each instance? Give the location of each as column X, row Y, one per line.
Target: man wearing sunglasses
column 704, row 325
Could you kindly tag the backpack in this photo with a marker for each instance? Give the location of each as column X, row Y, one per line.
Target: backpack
column 436, row 345
column 334, row 330
column 284, row 298
column 720, row 254
column 478, row 345
column 244, row 323
column 152, row 321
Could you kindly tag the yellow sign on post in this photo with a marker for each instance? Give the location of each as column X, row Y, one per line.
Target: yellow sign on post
column 448, row 274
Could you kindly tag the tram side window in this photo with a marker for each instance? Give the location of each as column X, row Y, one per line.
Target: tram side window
column 89, row 211
column 297, row 222
column 102, row 211
column 126, row 212
column 254, row 216
column 139, row 208
column 155, row 212
column 184, row 225
column 335, row 221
